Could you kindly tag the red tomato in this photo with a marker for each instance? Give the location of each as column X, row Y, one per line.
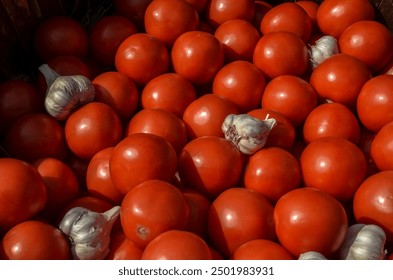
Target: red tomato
column 60, row 35
column 261, row 249
column 291, row 96
column 199, row 208
column 142, row 57
column 140, row 157
column 177, row 245
column 334, row 16
column 210, row 165
column 93, row 203
column 308, row 219
column 375, row 102
column 23, row 192
column 106, row 36
column 240, row 77
column 281, row 53
column 334, row 165
column 331, row 119
column 120, row 248
column 170, row 92
column 132, row 9
column 118, row 91
column 151, row 208
column 369, row 41
column 382, row 147
column 220, row 11
column 272, row 172
column 333, row 81
column 311, row 9
column 197, row 55
column 239, row 215
column 35, row 240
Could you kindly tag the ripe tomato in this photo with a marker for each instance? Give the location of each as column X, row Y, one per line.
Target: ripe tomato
column 120, row 248
column 177, row 245
column 311, row 9
column 210, row 165
column 240, row 77
column 140, row 157
column 308, row 219
column 382, row 148
column 199, row 206
column 132, row 9
column 60, row 35
column 281, row 53
column 334, row 165
column 142, row 57
column 35, row 240
column 239, row 215
column 291, row 96
column 220, row 11
column 91, row 128
column 107, row 34
column 261, row 249
column 197, row 55
column 23, row 192
column 151, row 208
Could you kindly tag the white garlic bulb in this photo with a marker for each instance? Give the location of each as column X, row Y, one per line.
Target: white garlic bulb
column 324, row 47
column 89, row 232
column 312, row 255
column 65, row 93
column 247, row 133
column 363, row 242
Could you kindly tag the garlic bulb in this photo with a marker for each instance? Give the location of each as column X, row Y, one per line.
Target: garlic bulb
column 363, row 242
column 247, row 133
column 89, row 232
column 324, row 47
column 65, row 93
column 311, row 255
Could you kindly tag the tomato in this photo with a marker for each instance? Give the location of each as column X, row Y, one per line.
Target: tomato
column 151, row 208
column 35, row 136
column 332, row 80
column 334, row 165
column 23, row 192
column 291, row 96
column 197, row 55
column 281, row 53
column 331, row 119
column 240, row 77
column 361, row 37
column 334, row 16
column 90, row 202
column 118, row 91
column 220, row 11
column 98, row 177
column 311, row 9
column 375, row 102
column 239, row 38
column 60, row 35
column 272, row 172
column 382, row 148
column 261, row 249
column 35, row 240
column 288, row 17
column 239, row 215
column 199, row 206
column 205, row 115
column 170, row 92
column 106, row 35
column 140, row 157
column 142, row 57
column 210, row 165
column 120, row 248
column 132, row 9
column 372, row 203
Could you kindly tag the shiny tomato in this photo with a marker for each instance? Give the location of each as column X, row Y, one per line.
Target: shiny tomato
column 291, row 96
column 220, row 11
column 142, row 57
column 35, row 240
column 239, row 215
column 199, row 206
column 240, row 77
column 132, row 9
column 334, row 165
column 210, row 165
column 382, row 148
column 140, row 157
column 151, row 208
column 281, row 53
column 311, row 9
column 197, row 55
column 261, row 249
column 120, row 248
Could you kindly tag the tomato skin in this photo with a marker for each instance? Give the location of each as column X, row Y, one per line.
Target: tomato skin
column 311, row 9
column 308, row 219
column 381, row 147
column 199, row 206
column 120, row 248
column 220, row 11
column 261, row 249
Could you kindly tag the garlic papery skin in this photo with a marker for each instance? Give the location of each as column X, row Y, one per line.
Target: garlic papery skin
column 324, row 47
column 247, row 133
column 312, row 255
column 363, row 242
column 65, row 93
column 89, row 232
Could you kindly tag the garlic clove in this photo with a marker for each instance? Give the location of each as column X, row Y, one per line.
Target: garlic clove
column 312, row 255
column 247, row 133
column 324, row 47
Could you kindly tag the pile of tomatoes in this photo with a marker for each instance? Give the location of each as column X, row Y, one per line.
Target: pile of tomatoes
column 166, row 74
